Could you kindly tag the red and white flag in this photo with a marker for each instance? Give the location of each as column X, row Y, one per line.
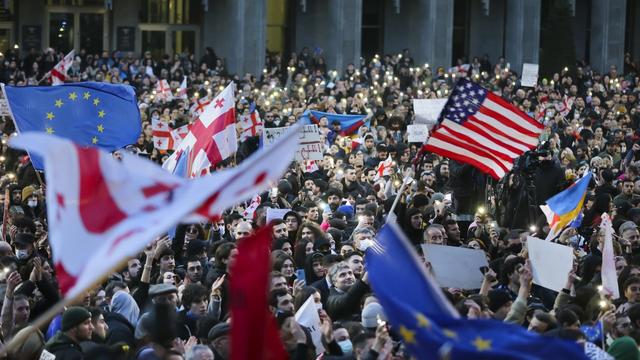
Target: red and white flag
column 479, row 128
column 609, row 275
column 211, row 138
column 251, row 125
column 460, row 70
column 162, row 139
column 59, row 72
column 311, row 166
column 251, row 209
column 198, row 106
column 163, row 91
column 178, row 134
column 102, row 211
column 182, row 90
column 564, row 107
column 384, row 168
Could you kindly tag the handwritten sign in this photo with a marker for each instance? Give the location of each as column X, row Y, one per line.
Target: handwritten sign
column 529, row 75
column 310, row 148
column 418, row 133
column 428, row 110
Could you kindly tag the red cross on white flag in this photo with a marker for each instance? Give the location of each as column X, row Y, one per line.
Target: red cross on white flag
column 251, row 125
column 198, row 106
column 59, row 72
column 211, row 138
column 163, row 91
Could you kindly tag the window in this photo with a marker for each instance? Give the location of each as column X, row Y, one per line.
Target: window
column 61, row 28
column 171, row 11
column 183, row 42
column 276, row 25
column 91, row 32
column 76, row 2
column 154, row 42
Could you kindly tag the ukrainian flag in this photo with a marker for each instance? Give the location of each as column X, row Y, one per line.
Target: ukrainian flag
column 564, row 207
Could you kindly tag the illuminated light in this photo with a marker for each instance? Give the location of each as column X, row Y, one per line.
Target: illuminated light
column 600, row 288
column 533, row 228
column 11, row 176
column 603, row 304
column 481, row 210
column 426, row 65
column 206, row 83
column 16, row 46
column 2, row 158
column 446, row 76
column 264, row 70
column 566, row 68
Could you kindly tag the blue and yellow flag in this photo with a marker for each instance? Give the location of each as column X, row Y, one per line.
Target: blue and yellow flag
column 427, row 323
column 89, row 114
column 566, row 206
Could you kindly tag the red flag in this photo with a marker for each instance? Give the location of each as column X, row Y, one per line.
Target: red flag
column 59, row 72
column 249, row 284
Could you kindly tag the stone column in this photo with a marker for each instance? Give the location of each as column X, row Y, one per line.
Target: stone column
column 607, row 34
column 522, row 33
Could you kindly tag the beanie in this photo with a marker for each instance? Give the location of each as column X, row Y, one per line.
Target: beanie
column 74, row 316
column 27, row 191
column 498, row 298
column 370, row 314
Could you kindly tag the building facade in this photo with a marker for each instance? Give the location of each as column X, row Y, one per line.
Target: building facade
column 242, row 31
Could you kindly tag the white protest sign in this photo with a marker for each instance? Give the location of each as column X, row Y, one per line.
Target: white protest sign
column 273, row 214
column 455, row 266
column 4, row 108
column 550, row 263
column 310, row 148
column 529, row 75
column 308, row 317
column 428, row 110
column 418, row 133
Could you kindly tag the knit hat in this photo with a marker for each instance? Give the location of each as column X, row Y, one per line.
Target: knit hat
column 218, row 330
column 370, row 314
column 74, row 316
column 420, row 200
column 498, row 298
column 27, row 191
column 347, row 210
column 624, row 348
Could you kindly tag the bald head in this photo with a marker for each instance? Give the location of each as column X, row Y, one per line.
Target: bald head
column 5, row 249
column 242, row 230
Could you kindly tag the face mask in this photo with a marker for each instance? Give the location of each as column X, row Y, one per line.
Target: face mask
column 22, row 254
column 32, row 203
column 365, row 244
column 346, row 346
column 319, row 306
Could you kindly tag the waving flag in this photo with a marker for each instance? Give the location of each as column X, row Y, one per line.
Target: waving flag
column 59, row 72
column 479, row 128
column 248, row 289
column 198, row 106
column 89, row 114
column 211, row 138
column 161, row 131
column 427, row 323
column 182, row 90
column 163, row 91
column 564, row 207
column 460, row 70
column 349, row 124
column 102, row 211
column 251, row 124
column 384, row 168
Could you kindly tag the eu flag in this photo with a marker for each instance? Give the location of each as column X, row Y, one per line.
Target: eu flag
column 349, row 124
column 89, row 114
column 429, row 325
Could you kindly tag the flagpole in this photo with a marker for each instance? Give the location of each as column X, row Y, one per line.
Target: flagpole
column 406, row 182
column 46, row 76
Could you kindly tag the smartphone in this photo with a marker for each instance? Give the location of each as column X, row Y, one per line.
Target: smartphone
column 484, row 269
column 300, row 274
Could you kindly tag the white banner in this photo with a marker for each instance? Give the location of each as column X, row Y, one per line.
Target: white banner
column 428, row 110
column 455, row 266
column 550, row 263
column 529, row 75
column 418, row 133
column 310, row 148
column 308, row 317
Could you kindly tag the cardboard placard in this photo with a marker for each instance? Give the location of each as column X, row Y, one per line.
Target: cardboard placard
column 456, row 267
column 529, row 75
column 428, row 110
column 310, row 148
column 418, row 133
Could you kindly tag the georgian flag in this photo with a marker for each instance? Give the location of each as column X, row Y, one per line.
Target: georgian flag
column 182, row 90
column 251, row 125
column 59, row 72
column 163, row 91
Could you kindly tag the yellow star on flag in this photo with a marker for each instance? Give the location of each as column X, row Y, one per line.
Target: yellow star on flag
column 50, row 116
column 423, row 321
column 96, row 101
column 86, row 95
column 94, row 140
column 450, row 334
column 408, row 335
column 100, row 128
column 482, row 344
column 59, row 103
column 101, row 113
column 50, row 130
column 73, row 96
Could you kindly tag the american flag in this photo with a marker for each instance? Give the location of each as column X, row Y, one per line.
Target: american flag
column 481, row 129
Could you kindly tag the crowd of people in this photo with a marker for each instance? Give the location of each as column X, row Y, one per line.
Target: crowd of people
column 172, row 301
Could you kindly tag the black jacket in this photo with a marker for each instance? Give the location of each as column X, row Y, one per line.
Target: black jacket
column 64, row 348
column 120, row 330
column 345, row 306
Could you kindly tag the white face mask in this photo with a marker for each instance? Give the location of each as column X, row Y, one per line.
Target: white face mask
column 365, row 244
column 32, row 203
column 22, row 254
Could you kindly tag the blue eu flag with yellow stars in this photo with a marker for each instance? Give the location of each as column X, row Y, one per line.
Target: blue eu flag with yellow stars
column 89, row 113
column 428, row 323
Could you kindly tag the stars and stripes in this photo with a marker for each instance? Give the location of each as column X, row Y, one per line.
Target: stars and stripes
column 479, row 128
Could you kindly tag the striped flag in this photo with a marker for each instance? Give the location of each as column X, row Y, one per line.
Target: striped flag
column 479, row 128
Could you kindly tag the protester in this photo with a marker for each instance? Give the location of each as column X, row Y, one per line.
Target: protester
column 326, row 214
